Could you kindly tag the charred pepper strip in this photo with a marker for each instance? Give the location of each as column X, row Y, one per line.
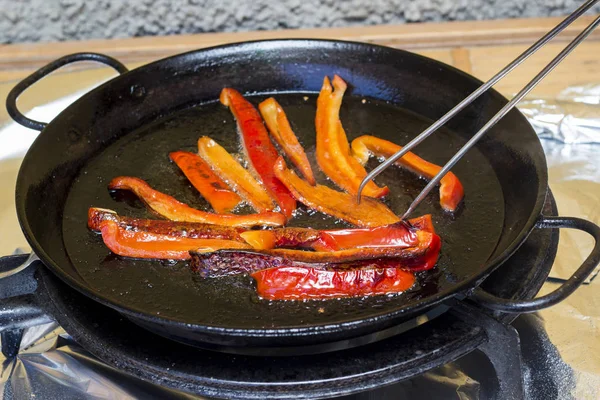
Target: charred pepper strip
column 227, row 262
column 259, row 148
column 395, row 235
column 233, row 262
column 288, row 237
column 191, row 230
column 298, row 283
column 140, row 244
column 423, row 223
column 282, row 132
column 451, row 190
column 369, row 213
column 211, row 187
column 333, row 150
column 228, row 169
column 175, row 210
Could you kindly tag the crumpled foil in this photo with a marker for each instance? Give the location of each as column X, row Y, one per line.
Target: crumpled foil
column 570, row 127
column 50, row 365
column 572, row 117
column 560, row 346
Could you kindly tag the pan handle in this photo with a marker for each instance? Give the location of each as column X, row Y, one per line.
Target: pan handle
column 587, row 267
column 11, row 100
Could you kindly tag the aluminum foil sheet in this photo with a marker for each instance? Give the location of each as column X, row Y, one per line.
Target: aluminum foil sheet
column 570, row 127
column 560, row 346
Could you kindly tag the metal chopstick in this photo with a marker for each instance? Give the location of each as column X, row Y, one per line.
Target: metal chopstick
column 565, row 52
column 482, row 89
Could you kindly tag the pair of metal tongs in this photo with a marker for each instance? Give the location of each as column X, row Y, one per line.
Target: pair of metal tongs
column 469, row 99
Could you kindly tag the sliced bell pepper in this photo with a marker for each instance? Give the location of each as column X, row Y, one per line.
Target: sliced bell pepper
column 211, row 187
column 306, row 238
column 282, row 132
column 228, row 169
column 423, row 223
column 175, row 210
column 395, row 235
column 140, row 244
column 427, row 260
column 191, row 230
column 424, row 240
column 333, row 150
column 421, row 256
column 299, row 283
column 258, row 147
column 369, row 213
column 451, row 190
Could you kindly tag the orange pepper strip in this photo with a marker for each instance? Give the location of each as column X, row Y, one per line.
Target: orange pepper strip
column 228, row 169
column 175, row 210
column 282, row 132
column 259, row 149
column 451, row 190
column 423, row 222
column 333, row 150
column 221, row 198
column 299, row 283
column 140, row 244
column 370, row 212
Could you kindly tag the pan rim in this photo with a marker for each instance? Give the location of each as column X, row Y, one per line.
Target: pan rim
column 460, row 289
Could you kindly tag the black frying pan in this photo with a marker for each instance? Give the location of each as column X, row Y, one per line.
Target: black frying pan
column 128, row 126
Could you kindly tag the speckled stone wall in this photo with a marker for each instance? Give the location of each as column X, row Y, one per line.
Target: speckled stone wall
column 50, row 20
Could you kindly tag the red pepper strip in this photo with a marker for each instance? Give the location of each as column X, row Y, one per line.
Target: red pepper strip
column 259, row 148
column 333, row 150
column 228, row 169
column 282, row 132
column 175, row 210
column 396, row 235
column 221, row 198
column 139, row 244
column 451, row 190
column 369, row 213
column 191, row 230
column 226, row 262
column 429, row 259
column 424, row 241
column 298, row 283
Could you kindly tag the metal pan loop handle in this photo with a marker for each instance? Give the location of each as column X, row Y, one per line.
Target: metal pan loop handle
column 11, row 100
column 587, row 267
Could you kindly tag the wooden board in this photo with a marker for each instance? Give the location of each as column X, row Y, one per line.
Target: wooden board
column 477, row 47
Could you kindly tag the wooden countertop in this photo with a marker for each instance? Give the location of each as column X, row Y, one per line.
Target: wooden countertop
column 479, row 47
